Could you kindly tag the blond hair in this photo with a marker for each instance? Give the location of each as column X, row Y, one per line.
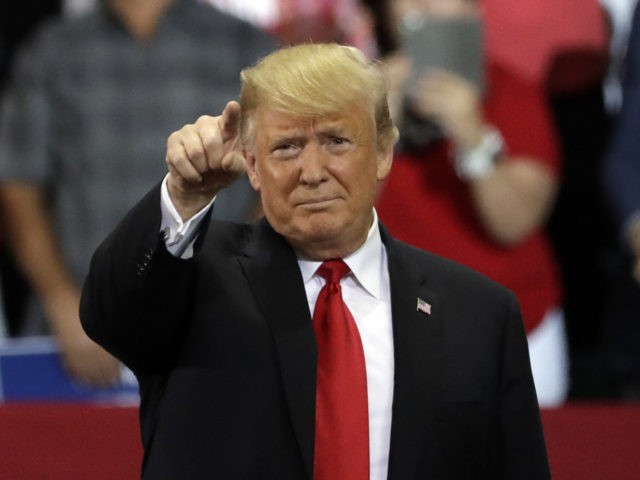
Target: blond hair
column 314, row 80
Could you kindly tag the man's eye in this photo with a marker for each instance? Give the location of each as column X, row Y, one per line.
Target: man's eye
column 285, row 150
column 339, row 141
column 284, row 147
column 339, row 145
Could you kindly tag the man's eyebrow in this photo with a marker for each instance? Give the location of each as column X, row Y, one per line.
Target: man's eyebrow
column 333, row 129
column 292, row 136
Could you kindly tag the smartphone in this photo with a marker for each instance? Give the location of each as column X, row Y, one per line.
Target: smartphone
column 454, row 44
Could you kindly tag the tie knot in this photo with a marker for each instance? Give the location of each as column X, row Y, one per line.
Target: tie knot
column 333, row 270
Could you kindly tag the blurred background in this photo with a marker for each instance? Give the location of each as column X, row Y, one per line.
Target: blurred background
column 80, row 76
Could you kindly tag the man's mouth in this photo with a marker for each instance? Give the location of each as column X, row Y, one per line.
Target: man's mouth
column 318, row 203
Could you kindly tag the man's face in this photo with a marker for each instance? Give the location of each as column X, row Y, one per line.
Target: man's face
column 318, row 177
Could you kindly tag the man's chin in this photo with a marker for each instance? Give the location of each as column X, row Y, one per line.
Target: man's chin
column 321, row 241
column 314, row 235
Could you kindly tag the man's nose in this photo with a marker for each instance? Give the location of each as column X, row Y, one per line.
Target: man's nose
column 313, row 162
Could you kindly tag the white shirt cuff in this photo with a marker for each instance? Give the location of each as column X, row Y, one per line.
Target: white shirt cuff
column 179, row 236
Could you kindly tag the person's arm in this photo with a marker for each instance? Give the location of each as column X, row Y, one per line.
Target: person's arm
column 513, row 195
column 34, row 245
column 179, row 236
column 514, row 199
column 24, row 154
column 138, row 294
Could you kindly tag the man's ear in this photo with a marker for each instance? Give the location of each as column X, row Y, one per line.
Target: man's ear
column 252, row 170
column 385, row 160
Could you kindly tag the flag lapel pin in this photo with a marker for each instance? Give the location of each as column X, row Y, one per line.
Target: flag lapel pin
column 423, row 306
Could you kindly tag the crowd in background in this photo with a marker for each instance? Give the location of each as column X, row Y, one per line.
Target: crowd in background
column 561, row 91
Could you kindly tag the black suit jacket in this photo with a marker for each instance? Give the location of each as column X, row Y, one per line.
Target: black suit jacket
column 225, row 353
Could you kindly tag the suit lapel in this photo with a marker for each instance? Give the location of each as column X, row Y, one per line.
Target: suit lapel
column 416, row 337
column 272, row 270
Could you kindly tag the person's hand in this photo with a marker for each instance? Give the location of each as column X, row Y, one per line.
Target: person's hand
column 84, row 360
column 203, row 158
column 453, row 103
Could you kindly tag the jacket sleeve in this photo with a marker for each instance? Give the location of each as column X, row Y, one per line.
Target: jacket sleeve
column 136, row 298
column 522, row 439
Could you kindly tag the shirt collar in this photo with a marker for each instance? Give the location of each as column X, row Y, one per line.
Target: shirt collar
column 365, row 263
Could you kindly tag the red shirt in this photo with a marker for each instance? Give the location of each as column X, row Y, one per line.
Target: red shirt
column 424, row 203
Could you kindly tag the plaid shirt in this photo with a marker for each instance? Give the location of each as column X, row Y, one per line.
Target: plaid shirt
column 89, row 110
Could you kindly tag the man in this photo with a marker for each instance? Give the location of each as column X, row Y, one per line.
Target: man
column 233, row 370
column 93, row 98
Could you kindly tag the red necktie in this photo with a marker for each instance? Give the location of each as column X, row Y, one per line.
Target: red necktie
column 342, row 417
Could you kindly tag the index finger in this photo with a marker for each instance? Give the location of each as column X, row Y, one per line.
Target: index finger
column 229, row 121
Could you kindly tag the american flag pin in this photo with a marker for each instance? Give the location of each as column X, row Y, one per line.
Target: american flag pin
column 423, row 306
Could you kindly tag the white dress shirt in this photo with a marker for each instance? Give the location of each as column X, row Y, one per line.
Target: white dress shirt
column 366, row 292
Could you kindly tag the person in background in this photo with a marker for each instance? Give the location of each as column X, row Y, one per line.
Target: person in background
column 622, row 172
column 476, row 179
column 622, row 182
column 81, row 132
column 580, row 225
column 292, row 22
column 411, row 366
column 17, row 22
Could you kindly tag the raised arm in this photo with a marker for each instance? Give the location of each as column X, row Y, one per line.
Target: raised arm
column 514, row 195
column 137, row 298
